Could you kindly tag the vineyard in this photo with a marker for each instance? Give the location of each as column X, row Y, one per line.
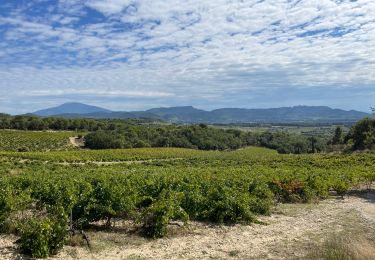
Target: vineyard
column 140, row 154
column 35, row 141
column 46, row 197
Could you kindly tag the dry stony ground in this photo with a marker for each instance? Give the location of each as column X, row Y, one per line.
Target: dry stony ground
column 291, row 232
column 76, row 142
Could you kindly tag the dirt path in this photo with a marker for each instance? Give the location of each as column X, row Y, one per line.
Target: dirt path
column 128, row 162
column 291, row 230
column 118, row 162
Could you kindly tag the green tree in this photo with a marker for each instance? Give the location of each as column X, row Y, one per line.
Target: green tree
column 362, row 134
column 313, row 141
column 338, row 136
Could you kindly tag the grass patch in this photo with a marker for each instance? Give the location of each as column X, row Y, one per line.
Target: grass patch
column 341, row 247
column 234, row 253
column 352, row 241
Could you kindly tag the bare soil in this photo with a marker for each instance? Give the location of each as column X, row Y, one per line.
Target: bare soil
column 291, row 232
column 76, row 142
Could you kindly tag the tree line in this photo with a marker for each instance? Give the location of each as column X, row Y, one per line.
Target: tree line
column 200, row 137
column 137, row 133
column 34, row 123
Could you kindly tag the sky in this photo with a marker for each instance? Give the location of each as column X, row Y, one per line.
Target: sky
column 139, row 54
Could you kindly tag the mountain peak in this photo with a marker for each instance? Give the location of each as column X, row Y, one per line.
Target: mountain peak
column 70, row 108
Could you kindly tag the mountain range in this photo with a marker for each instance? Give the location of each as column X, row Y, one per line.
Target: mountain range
column 189, row 114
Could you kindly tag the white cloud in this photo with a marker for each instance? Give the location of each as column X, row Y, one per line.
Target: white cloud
column 188, row 48
column 109, row 6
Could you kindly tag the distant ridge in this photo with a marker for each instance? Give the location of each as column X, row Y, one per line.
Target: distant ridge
column 189, row 114
column 70, row 108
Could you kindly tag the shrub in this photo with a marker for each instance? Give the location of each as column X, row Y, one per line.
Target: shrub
column 10, row 201
column 292, row 191
column 261, row 198
column 109, row 198
column 5, row 207
column 341, row 187
column 166, row 208
column 228, row 205
column 41, row 238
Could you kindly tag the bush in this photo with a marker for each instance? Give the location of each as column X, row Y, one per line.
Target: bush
column 227, row 205
column 5, row 207
column 41, row 238
column 166, row 208
column 292, row 191
column 261, row 198
column 109, row 198
column 10, row 201
column 341, row 187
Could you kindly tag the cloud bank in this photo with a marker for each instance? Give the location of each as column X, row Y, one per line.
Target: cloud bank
column 136, row 54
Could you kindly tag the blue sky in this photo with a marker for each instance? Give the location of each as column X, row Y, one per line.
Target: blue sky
column 139, row 54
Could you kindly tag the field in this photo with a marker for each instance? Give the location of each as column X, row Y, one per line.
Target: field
column 35, row 141
column 184, row 200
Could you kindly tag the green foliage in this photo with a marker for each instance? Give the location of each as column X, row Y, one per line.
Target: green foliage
column 228, row 205
column 368, row 177
column 110, row 197
column 116, row 134
column 286, row 143
column 24, row 141
column 164, row 185
column 139, row 154
column 165, row 208
column 103, row 140
column 338, row 136
column 6, row 204
column 35, row 123
column 293, row 191
column 198, row 137
column 40, row 238
column 341, row 186
column 362, row 135
column 11, row 200
column 261, row 198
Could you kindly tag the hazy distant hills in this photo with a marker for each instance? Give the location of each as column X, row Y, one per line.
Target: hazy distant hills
column 189, row 114
column 71, row 108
